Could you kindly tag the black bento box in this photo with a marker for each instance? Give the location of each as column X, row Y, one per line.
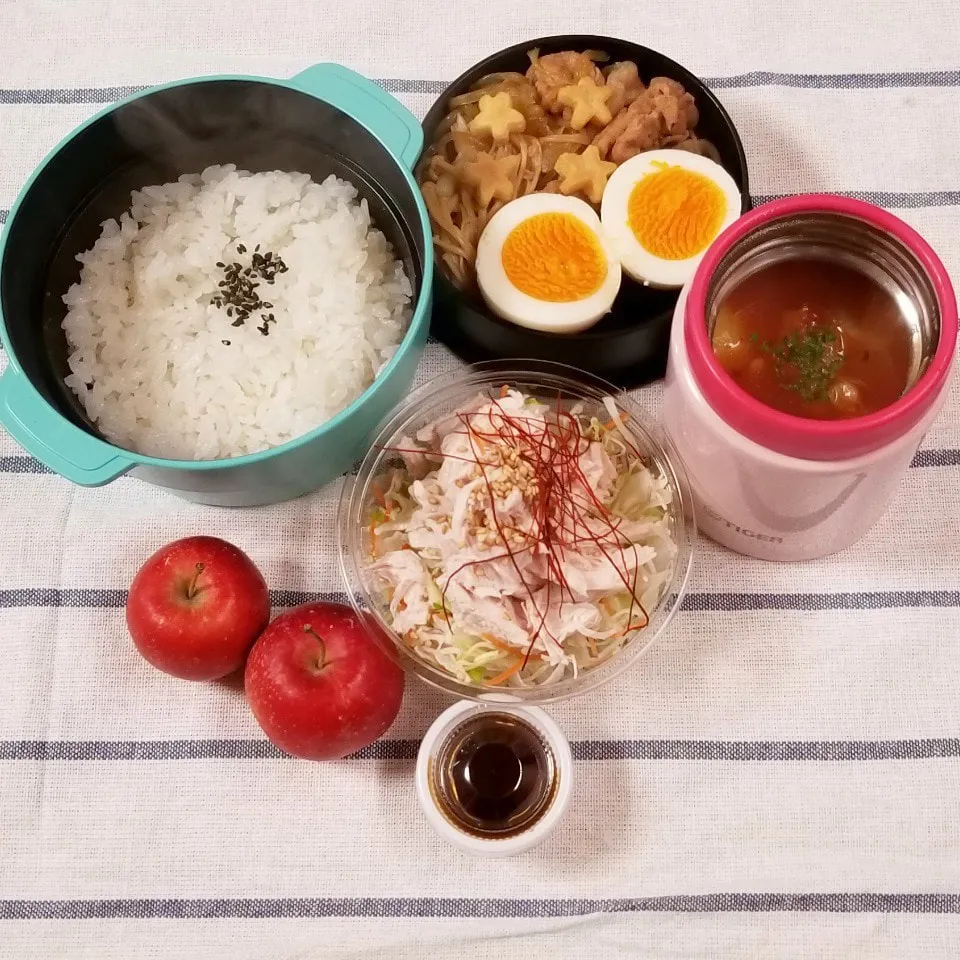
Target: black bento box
column 629, row 345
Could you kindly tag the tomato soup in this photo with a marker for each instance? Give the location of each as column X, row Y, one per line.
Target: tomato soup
column 814, row 338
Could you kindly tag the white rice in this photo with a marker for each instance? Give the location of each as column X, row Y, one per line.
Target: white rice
column 143, row 331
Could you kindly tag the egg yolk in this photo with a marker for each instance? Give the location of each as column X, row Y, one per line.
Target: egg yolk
column 675, row 213
column 554, row 257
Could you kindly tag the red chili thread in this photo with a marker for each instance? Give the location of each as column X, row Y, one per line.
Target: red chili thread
column 560, row 513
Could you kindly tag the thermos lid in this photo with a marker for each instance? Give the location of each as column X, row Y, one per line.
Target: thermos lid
column 863, row 236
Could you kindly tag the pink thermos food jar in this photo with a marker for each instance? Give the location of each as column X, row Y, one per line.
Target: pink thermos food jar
column 777, row 485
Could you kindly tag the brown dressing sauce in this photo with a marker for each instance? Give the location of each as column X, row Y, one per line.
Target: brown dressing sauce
column 494, row 776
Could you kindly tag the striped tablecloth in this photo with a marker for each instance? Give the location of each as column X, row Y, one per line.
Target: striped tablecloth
column 780, row 777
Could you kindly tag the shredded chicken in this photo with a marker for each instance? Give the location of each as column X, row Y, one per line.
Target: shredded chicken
column 625, row 85
column 550, row 73
column 662, row 115
column 492, row 571
column 408, row 579
column 676, row 107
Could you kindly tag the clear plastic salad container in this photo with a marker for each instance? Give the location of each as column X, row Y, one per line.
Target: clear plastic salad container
column 534, row 594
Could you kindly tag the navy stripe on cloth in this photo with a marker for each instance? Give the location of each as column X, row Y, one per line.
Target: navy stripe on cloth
column 727, row 602
column 860, row 600
column 61, row 95
column 755, row 78
column 891, row 200
column 480, row 907
column 21, row 463
column 17, row 463
column 839, row 81
column 583, row 750
column 936, row 458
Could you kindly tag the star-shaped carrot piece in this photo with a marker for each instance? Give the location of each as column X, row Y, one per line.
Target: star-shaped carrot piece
column 497, row 118
column 491, row 178
column 584, row 173
column 588, row 101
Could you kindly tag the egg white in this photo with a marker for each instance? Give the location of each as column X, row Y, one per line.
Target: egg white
column 638, row 262
column 520, row 308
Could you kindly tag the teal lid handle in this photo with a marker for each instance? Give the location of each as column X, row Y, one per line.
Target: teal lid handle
column 369, row 104
column 54, row 440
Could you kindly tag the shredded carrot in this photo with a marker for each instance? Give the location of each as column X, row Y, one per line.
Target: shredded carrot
column 506, row 648
column 639, row 625
column 499, row 644
column 592, row 644
column 507, row 674
column 504, row 390
column 610, row 424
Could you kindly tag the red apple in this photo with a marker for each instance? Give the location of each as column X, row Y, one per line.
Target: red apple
column 320, row 684
column 195, row 608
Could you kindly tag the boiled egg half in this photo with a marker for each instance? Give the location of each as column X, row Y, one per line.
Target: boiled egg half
column 544, row 262
column 662, row 210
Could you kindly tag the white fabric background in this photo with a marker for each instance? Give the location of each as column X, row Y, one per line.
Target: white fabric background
column 668, row 850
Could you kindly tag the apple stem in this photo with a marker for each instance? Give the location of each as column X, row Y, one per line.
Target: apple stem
column 192, row 588
column 307, row 628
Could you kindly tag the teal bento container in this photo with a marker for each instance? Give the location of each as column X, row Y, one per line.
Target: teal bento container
column 322, row 121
